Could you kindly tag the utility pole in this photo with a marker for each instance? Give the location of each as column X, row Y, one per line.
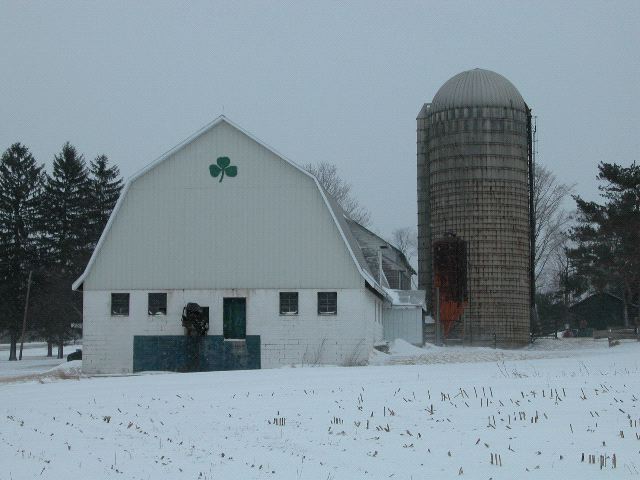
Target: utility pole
column 24, row 318
column 380, row 270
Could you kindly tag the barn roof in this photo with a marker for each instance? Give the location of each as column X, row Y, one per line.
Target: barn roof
column 370, row 242
column 336, row 212
column 590, row 296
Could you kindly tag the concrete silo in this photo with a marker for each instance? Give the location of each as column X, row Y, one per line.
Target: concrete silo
column 474, row 183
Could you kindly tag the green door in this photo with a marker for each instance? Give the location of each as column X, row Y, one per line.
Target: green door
column 235, row 318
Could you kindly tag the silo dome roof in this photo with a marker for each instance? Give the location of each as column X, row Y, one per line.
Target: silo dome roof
column 477, row 88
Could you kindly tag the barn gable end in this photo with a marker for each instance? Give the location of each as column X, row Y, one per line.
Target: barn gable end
column 178, row 227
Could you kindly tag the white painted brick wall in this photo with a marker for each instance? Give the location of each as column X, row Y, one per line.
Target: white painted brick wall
column 285, row 339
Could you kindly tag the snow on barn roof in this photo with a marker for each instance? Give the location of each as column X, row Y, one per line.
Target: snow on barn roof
column 336, row 212
column 408, row 298
column 590, row 295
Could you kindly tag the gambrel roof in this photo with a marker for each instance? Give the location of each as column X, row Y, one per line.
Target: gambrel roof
column 336, row 212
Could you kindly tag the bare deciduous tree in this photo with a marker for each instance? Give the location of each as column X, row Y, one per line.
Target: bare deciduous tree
column 340, row 191
column 551, row 217
column 406, row 240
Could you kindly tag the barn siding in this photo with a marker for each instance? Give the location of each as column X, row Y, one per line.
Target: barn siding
column 404, row 323
column 179, row 228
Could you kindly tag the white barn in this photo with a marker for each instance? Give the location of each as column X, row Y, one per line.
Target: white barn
column 259, row 246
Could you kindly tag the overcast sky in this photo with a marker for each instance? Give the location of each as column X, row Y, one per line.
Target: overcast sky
column 316, row 80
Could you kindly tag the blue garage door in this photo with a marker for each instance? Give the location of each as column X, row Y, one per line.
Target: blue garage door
column 179, row 353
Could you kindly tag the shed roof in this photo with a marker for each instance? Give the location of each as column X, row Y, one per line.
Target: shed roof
column 406, row 298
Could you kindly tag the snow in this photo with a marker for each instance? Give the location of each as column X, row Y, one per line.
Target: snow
column 393, row 295
column 413, row 298
column 401, row 347
column 34, row 360
column 437, row 412
column 67, row 369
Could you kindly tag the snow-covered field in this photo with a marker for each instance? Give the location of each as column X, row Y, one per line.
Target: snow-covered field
column 34, row 361
column 419, row 413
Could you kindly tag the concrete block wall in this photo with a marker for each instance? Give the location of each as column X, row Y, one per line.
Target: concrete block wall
column 310, row 338
column 347, row 337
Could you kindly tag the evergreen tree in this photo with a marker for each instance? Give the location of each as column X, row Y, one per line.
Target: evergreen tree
column 67, row 196
column 105, row 185
column 608, row 235
column 21, row 182
column 67, row 240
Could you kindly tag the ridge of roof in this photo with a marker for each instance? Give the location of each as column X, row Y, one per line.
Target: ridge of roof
column 612, row 295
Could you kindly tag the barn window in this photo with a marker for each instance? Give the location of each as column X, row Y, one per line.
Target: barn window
column 157, row 304
column 327, row 303
column 120, row 304
column 288, row 303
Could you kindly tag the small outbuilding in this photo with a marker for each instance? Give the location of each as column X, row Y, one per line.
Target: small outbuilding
column 405, row 316
column 223, row 254
column 601, row 311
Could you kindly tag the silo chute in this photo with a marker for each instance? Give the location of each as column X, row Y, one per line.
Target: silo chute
column 450, row 279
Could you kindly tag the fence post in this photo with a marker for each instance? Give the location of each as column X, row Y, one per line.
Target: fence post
column 437, row 319
column 24, row 318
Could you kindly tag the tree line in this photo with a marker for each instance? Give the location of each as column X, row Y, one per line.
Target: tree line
column 606, row 252
column 597, row 248
column 49, row 224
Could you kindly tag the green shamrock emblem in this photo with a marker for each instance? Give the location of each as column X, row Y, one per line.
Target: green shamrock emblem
column 223, row 167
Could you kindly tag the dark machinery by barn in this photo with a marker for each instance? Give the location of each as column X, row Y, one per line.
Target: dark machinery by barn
column 194, row 320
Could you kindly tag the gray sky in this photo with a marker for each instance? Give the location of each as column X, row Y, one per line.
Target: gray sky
column 316, row 80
